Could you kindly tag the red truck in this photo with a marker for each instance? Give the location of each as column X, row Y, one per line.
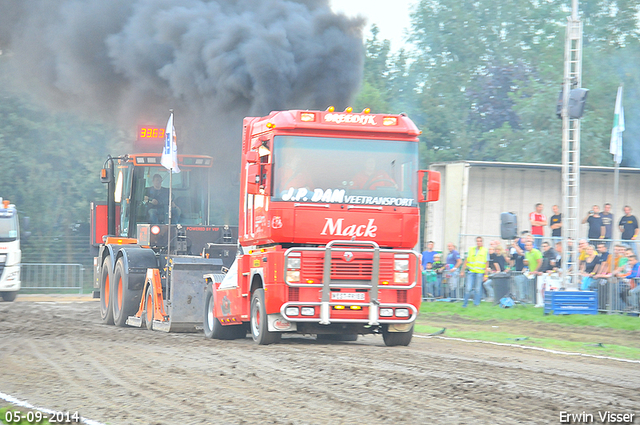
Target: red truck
column 329, row 219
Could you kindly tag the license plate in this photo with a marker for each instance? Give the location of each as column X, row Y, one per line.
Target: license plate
column 359, row 296
column 3, row 258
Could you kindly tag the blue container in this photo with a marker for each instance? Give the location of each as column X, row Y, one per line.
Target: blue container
column 571, row 302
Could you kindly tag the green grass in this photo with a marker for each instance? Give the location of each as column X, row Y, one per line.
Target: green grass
column 487, row 311
column 4, row 416
column 609, row 350
column 499, row 318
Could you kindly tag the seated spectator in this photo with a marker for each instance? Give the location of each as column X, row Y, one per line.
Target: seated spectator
column 558, row 265
column 588, row 268
column 582, row 251
column 548, row 267
column 629, row 282
column 497, row 264
column 156, row 200
column 516, row 257
column 548, row 258
column 606, row 260
column 532, row 262
column 293, row 174
column 619, row 260
column 371, row 178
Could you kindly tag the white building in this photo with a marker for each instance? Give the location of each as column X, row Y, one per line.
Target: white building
column 474, row 193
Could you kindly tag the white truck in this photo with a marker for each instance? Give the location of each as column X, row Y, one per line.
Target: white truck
column 10, row 254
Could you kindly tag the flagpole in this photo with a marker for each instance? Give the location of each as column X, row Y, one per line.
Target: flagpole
column 617, row 157
column 170, row 193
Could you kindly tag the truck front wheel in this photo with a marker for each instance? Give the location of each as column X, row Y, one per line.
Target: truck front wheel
column 259, row 321
column 124, row 300
column 9, row 296
column 397, row 338
column 106, row 309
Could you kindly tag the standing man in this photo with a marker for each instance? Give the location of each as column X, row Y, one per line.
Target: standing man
column 607, row 222
column 533, row 260
column 453, row 269
column 476, row 263
column 538, row 221
column 555, row 223
column 427, row 256
column 629, row 228
column 596, row 228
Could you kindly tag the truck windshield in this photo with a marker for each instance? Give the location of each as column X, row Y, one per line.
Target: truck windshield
column 189, row 197
column 340, row 170
column 8, row 226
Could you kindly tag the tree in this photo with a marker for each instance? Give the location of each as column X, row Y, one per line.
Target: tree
column 486, row 77
column 50, row 164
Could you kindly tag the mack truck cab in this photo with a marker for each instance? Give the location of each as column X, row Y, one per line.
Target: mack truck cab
column 10, row 253
column 152, row 246
column 329, row 219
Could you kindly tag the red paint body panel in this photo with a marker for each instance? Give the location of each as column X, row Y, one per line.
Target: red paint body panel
column 269, row 225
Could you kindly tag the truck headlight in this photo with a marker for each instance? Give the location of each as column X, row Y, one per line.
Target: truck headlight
column 293, row 275
column 401, row 277
column 292, row 311
column 293, row 263
column 401, row 265
column 308, row 311
column 386, row 312
column 402, row 312
column 13, row 276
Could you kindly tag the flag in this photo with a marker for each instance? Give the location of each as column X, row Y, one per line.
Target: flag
column 618, row 127
column 170, row 152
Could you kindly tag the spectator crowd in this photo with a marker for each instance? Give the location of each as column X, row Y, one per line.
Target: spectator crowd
column 535, row 263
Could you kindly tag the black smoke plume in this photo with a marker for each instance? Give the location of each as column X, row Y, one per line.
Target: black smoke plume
column 129, row 61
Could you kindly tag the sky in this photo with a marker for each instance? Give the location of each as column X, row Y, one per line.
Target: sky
column 391, row 16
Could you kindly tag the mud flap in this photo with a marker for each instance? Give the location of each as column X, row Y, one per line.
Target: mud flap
column 277, row 323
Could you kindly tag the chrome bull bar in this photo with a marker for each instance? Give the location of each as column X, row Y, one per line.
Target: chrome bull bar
column 371, row 285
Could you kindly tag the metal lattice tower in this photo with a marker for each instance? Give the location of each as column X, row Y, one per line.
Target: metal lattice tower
column 571, row 151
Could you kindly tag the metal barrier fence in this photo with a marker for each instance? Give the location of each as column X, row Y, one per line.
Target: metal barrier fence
column 51, row 276
column 614, row 295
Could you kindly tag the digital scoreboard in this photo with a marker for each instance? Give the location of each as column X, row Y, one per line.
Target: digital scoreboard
column 146, row 133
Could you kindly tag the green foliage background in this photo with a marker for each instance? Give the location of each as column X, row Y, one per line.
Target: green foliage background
column 49, row 168
column 482, row 78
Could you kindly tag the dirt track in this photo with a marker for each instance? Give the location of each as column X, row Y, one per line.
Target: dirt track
column 58, row 355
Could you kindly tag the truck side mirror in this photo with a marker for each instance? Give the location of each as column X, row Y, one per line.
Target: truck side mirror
column 258, row 179
column 253, row 179
column 106, row 175
column 432, row 191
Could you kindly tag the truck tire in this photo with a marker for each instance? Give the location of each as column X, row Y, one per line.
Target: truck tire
column 397, row 338
column 213, row 328
column 106, row 309
column 124, row 300
column 259, row 322
column 9, row 296
column 147, row 316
